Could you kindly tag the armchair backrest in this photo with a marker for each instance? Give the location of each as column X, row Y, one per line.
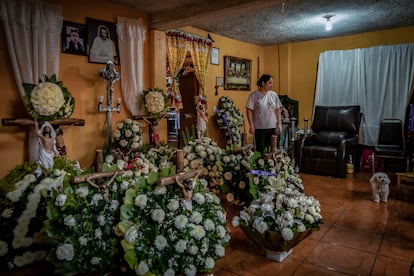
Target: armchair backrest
column 337, row 118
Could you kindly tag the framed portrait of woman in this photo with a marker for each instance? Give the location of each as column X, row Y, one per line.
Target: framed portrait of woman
column 74, row 38
column 103, row 41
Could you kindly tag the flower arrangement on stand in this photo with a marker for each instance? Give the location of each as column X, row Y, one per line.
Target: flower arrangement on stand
column 281, row 215
column 48, row 100
column 169, row 238
column 205, row 154
column 230, row 119
column 155, row 102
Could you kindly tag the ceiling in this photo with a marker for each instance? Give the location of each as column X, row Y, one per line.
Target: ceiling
column 271, row 22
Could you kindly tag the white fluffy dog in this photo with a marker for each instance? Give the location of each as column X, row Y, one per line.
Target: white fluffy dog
column 380, row 186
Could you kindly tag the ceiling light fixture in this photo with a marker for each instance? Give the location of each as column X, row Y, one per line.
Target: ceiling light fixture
column 328, row 23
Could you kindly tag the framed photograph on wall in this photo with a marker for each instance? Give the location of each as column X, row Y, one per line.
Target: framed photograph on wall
column 237, row 73
column 215, row 56
column 74, row 38
column 103, row 41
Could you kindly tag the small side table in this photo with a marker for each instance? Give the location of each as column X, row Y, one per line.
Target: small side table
column 405, row 180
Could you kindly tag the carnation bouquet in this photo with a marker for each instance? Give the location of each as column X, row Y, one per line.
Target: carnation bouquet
column 230, row 119
column 48, row 100
column 162, row 236
column 155, row 102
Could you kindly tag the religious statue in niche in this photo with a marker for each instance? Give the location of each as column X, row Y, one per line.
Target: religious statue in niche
column 201, row 120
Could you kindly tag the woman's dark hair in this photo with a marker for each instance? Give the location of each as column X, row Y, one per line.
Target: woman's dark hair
column 263, row 78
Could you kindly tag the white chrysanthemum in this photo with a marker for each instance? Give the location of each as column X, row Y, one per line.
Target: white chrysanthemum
column 141, row 201
column 193, row 249
column 98, row 233
column 209, row 225
column 154, row 102
column 101, row 220
column 198, row 232
column 158, row 215
column 83, row 241
column 173, row 205
column 235, row 221
column 69, row 221
column 169, row 272
column 65, row 252
column 123, row 143
column 309, row 218
column 199, row 198
column 142, row 268
column 95, row 260
column 135, row 128
column 210, row 263
column 160, row 190
column 220, row 251
column 4, row 248
column 287, row 234
column 221, row 231
column 96, row 198
column 131, row 234
column 109, row 158
column 180, row 246
column 29, row 178
column 120, row 125
column 60, row 200
column 180, row 221
column 196, row 217
column 7, row 213
column 47, row 98
column 301, row 227
column 117, row 134
column 160, row 242
column 191, row 270
column 82, row 191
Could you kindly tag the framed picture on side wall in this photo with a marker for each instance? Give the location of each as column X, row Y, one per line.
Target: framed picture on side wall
column 237, row 73
column 74, row 38
column 103, row 41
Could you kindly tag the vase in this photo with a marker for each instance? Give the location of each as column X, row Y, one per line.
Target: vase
column 277, row 249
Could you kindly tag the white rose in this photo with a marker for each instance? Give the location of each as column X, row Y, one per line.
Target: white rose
column 65, row 252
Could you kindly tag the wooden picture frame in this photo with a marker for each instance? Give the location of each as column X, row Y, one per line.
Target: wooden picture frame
column 101, row 49
column 237, row 73
column 74, row 38
column 215, row 56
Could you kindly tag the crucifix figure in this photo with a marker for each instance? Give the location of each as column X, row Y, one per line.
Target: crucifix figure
column 111, row 76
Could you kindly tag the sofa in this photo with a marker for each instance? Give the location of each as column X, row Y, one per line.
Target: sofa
column 334, row 138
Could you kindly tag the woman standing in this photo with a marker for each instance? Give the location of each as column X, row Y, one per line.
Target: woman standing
column 263, row 112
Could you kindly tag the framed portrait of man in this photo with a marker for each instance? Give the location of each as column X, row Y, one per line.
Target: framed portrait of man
column 102, row 41
column 74, row 38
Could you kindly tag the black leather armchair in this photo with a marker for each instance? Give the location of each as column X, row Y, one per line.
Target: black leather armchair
column 335, row 136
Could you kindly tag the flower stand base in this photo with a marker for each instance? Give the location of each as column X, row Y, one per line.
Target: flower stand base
column 277, row 256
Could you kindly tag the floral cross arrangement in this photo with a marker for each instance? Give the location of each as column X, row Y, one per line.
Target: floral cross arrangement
column 230, row 119
column 169, row 238
column 155, row 102
column 48, row 100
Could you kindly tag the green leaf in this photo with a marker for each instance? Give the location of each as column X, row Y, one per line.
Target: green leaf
column 130, row 195
column 152, row 178
column 130, row 256
column 125, row 225
column 126, row 212
column 164, row 172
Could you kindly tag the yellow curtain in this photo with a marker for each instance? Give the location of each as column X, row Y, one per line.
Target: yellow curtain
column 176, row 52
column 200, row 50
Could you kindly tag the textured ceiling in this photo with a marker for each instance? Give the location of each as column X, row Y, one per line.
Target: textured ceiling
column 271, row 22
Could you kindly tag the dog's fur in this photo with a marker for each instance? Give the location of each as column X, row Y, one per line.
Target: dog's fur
column 380, row 186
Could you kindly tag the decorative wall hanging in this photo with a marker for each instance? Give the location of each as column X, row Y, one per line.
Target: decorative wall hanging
column 237, row 73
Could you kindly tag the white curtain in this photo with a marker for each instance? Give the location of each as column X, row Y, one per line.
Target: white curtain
column 32, row 29
column 131, row 37
column 379, row 79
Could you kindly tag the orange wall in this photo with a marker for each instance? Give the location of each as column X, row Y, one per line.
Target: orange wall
column 294, row 74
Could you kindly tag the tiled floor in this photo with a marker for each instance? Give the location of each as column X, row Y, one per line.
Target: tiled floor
column 359, row 237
